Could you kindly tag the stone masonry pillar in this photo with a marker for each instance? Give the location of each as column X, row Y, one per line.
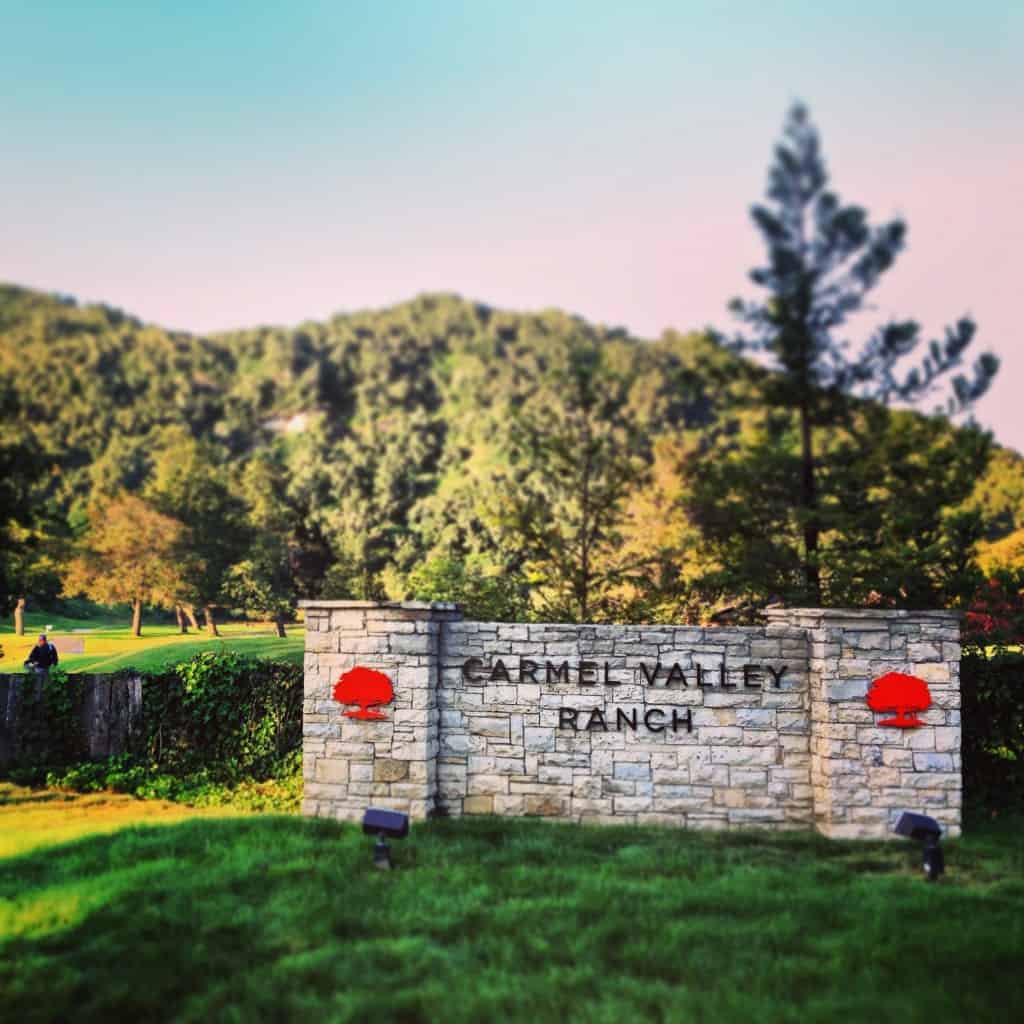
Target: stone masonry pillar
column 351, row 764
column 865, row 775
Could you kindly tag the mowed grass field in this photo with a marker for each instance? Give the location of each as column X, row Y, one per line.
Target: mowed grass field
column 276, row 918
column 31, row 819
column 109, row 645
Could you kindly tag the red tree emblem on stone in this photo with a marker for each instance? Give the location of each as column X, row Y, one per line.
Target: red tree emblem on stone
column 900, row 693
column 365, row 687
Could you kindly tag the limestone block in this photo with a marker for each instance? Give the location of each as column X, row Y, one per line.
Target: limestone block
column 878, row 737
column 741, row 777
column 325, row 792
column 760, row 738
column 756, row 718
column 796, row 722
column 496, row 726
column 711, row 774
column 356, row 731
column 547, row 806
column 565, row 760
column 931, row 672
column 897, row 757
column 848, row 689
column 488, row 784
column 921, row 739
column 413, row 676
column 731, row 736
column 933, row 762
column 632, row 804
column 508, row 804
column 411, row 718
column 587, row 786
column 881, row 777
column 743, row 755
column 455, row 744
column 329, row 769
column 619, row 787
column 855, row 715
column 416, row 643
column 538, row 739
column 387, row 770
column 501, row 694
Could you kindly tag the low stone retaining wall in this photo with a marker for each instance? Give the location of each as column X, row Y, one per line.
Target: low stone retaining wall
column 107, row 711
column 700, row 727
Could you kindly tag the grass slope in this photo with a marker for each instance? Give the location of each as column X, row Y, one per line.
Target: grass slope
column 32, row 819
column 284, row 919
column 109, row 648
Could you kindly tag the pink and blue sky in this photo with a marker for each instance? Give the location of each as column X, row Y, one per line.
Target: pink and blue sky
column 217, row 165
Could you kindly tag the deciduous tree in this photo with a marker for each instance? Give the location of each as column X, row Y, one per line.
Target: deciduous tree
column 130, row 553
column 576, row 452
column 190, row 484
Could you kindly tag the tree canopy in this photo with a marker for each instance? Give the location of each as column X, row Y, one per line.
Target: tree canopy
column 526, row 464
column 130, row 553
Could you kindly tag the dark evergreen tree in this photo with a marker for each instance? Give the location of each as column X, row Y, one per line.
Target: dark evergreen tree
column 766, row 505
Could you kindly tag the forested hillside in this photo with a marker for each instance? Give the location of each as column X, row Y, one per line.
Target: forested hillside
column 524, row 463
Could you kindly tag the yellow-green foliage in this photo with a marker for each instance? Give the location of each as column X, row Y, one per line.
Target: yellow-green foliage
column 338, row 458
column 1006, row 553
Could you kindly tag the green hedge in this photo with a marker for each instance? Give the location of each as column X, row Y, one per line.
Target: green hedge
column 224, row 713
column 992, row 694
column 219, row 714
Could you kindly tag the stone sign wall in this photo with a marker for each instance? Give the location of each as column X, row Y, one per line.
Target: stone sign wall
column 699, row 727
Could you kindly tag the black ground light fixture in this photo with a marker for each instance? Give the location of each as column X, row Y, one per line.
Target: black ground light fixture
column 926, row 831
column 384, row 825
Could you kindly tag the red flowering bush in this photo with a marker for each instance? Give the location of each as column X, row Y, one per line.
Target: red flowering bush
column 996, row 613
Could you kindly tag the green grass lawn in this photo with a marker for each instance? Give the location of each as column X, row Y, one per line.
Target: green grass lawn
column 110, row 646
column 276, row 918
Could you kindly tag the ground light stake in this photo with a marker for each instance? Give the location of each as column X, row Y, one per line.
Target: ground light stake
column 384, row 825
column 926, row 831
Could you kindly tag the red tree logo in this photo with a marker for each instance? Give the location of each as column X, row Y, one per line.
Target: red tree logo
column 365, row 687
column 900, row 693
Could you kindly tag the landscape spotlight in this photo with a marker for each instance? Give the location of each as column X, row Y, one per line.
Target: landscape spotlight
column 926, row 831
column 384, row 825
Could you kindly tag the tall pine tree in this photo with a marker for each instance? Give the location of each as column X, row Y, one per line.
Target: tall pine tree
column 775, row 504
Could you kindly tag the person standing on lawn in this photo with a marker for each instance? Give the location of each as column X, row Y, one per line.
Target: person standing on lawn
column 42, row 658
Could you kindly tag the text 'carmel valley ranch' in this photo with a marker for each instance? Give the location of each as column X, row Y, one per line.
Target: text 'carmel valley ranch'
column 598, row 673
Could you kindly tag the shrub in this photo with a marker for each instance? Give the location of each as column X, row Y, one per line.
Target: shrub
column 281, row 793
column 217, row 729
column 223, row 713
column 992, row 693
